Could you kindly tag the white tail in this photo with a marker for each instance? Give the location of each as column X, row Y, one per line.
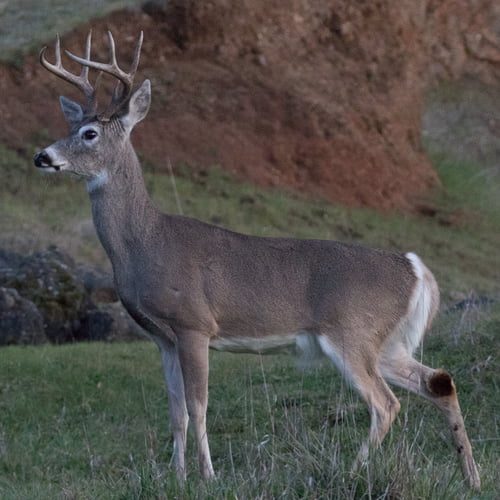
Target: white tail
column 193, row 286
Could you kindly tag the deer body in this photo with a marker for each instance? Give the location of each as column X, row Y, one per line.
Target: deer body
column 231, row 287
column 194, row 286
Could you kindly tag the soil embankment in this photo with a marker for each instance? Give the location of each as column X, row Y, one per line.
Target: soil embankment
column 323, row 97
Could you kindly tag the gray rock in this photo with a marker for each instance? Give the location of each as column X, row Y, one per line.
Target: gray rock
column 48, row 280
column 47, row 297
column 20, row 321
column 98, row 284
column 109, row 322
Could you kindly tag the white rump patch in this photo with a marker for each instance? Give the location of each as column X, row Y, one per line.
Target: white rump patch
column 413, row 325
column 417, row 264
column 98, row 180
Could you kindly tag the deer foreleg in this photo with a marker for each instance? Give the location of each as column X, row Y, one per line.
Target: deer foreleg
column 177, row 404
column 193, row 355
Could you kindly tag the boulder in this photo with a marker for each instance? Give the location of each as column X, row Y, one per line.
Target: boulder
column 98, row 284
column 21, row 323
column 48, row 280
column 110, row 322
column 46, row 296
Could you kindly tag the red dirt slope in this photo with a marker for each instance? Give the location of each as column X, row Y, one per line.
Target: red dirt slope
column 322, row 97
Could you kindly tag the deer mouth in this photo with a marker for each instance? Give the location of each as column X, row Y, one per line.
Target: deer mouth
column 55, row 168
column 51, row 168
column 43, row 161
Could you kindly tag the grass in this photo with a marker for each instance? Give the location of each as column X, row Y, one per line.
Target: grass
column 90, row 421
column 26, row 23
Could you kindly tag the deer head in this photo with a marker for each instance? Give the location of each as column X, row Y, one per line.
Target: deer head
column 96, row 139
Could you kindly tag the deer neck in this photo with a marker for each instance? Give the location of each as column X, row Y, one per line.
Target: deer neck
column 124, row 214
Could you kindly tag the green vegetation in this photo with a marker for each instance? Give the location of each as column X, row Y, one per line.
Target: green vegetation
column 26, row 23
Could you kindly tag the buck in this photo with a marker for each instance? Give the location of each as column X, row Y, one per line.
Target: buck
column 193, row 286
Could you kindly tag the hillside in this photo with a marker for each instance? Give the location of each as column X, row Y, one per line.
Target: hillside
column 324, row 98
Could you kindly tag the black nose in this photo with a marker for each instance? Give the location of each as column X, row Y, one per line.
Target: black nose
column 42, row 159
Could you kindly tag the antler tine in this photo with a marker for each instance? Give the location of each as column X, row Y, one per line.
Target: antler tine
column 81, row 81
column 88, row 43
column 58, row 51
column 111, row 68
column 137, row 53
column 112, row 51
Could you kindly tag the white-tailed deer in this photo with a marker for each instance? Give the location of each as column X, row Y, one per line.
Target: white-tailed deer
column 194, row 286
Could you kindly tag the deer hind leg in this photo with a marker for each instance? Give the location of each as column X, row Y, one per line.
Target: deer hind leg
column 176, row 402
column 363, row 374
column 193, row 355
column 383, row 406
column 438, row 387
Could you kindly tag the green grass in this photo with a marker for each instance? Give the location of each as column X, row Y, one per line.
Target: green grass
column 90, row 421
column 25, row 24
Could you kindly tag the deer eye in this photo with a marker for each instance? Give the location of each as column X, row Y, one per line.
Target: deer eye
column 89, row 134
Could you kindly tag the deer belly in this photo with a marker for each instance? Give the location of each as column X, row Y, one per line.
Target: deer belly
column 272, row 344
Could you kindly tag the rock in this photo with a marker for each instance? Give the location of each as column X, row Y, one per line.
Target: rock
column 95, row 325
column 47, row 297
column 110, row 322
column 470, row 302
column 99, row 285
column 20, row 321
column 48, row 280
column 9, row 260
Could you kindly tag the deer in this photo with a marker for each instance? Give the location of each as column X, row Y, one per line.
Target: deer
column 194, row 286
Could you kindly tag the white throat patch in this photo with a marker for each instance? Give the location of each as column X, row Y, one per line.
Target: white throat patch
column 99, row 180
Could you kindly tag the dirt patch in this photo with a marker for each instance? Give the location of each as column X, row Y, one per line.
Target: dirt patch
column 322, row 97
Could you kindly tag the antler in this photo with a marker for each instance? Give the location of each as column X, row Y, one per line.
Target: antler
column 125, row 79
column 81, row 82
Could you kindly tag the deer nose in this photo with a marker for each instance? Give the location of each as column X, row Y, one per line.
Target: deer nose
column 42, row 159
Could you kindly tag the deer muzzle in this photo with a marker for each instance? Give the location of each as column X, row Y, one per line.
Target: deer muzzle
column 42, row 159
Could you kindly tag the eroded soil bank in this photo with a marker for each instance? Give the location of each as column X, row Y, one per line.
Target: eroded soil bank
column 323, row 97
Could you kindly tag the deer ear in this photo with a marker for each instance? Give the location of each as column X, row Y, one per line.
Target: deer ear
column 138, row 106
column 73, row 112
